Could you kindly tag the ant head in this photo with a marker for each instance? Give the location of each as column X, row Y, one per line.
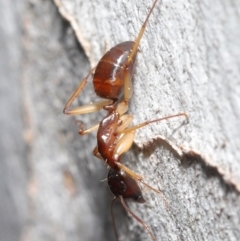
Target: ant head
column 120, row 184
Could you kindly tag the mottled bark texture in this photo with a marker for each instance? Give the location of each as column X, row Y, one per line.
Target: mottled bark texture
column 188, row 60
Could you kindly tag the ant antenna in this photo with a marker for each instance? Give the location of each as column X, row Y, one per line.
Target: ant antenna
column 137, row 218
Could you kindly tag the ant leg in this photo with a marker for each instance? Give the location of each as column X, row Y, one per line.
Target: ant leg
column 89, row 108
column 137, row 41
column 137, row 177
column 123, row 145
column 82, row 132
column 126, row 135
column 125, row 121
column 96, row 153
column 137, row 218
column 122, row 107
column 125, row 139
column 77, row 92
column 138, row 126
column 86, row 108
column 128, row 89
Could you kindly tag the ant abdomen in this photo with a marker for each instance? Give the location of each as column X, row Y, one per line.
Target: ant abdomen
column 111, row 70
column 122, row 185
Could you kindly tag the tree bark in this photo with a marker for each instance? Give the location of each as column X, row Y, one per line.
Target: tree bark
column 13, row 163
column 188, row 61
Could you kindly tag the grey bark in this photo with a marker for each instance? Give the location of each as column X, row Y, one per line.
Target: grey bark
column 13, row 163
column 189, row 60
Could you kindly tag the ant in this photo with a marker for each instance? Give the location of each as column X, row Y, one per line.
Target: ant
column 111, row 79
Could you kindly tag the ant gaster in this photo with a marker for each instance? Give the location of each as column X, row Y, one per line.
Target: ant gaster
column 112, row 77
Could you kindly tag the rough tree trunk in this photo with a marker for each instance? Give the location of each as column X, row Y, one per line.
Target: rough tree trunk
column 189, row 60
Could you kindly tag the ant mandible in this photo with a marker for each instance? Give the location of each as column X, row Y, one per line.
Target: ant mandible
column 112, row 77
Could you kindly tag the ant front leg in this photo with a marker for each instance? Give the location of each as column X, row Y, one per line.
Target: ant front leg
column 83, row 132
column 89, row 108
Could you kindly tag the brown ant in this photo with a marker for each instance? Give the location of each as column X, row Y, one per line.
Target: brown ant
column 112, row 78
